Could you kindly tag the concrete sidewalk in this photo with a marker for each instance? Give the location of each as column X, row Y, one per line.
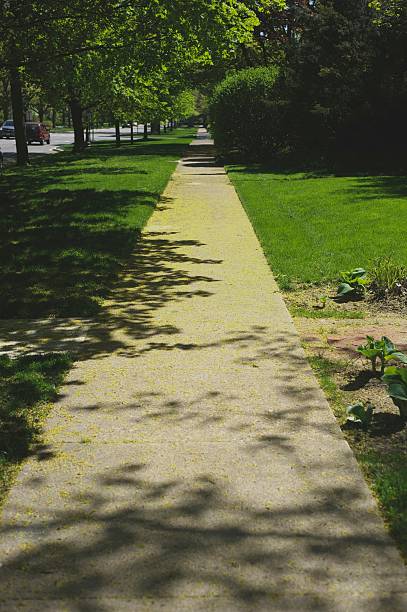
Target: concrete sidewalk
column 193, row 463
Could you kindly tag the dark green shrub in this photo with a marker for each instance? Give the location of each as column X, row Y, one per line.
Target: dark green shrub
column 245, row 112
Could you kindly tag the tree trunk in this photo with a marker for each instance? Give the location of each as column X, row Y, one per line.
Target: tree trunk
column 145, row 137
column 18, row 117
column 41, row 113
column 54, row 117
column 77, row 122
column 5, row 99
column 156, row 127
column 246, row 56
column 69, row 119
column 131, row 132
column 117, row 130
column 264, row 52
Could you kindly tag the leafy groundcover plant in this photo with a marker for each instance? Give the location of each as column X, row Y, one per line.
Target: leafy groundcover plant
column 383, row 349
column 360, row 415
column 396, row 380
column 353, row 284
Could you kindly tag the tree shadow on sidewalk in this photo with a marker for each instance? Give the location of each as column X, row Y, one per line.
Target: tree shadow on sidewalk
column 134, row 532
column 146, row 541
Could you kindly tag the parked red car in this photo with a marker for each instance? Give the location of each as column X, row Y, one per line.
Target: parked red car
column 37, row 132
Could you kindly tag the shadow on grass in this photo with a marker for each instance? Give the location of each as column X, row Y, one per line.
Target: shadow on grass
column 363, row 188
column 25, row 384
column 378, row 188
column 61, row 246
column 64, row 250
column 60, row 252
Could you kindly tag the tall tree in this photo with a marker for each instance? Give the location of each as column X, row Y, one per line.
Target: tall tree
column 37, row 34
column 44, row 38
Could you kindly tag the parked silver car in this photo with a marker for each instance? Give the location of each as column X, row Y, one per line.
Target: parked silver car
column 7, row 129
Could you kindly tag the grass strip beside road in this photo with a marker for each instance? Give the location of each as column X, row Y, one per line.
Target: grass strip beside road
column 69, row 222
column 28, row 385
column 312, row 226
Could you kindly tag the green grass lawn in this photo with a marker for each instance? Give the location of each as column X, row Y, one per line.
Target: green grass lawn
column 313, row 226
column 27, row 386
column 61, row 129
column 68, row 223
column 387, row 474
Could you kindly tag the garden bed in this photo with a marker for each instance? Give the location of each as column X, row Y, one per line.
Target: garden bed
column 330, row 336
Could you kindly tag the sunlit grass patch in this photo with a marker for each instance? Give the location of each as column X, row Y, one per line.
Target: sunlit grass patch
column 325, row 313
column 312, row 226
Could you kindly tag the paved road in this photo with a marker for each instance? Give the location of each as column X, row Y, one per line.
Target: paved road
column 9, row 146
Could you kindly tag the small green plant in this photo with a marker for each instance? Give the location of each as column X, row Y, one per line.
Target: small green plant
column 322, row 302
column 353, row 283
column 396, row 380
column 383, row 349
column 284, row 282
column 360, row 415
column 388, row 278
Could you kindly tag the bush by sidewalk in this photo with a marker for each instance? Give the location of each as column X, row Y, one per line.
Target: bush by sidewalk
column 245, row 113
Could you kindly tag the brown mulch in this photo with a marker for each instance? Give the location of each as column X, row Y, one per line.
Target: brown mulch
column 349, row 341
column 337, row 340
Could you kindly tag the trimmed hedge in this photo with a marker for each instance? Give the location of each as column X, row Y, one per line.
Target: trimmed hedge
column 245, row 112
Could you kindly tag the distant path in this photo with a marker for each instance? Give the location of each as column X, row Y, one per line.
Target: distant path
column 194, row 463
